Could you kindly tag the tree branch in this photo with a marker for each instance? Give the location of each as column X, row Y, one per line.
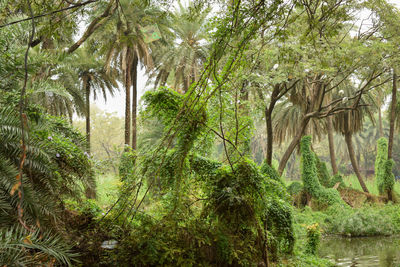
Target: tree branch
column 49, row 13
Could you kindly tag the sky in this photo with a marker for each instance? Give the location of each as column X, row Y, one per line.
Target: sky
column 117, row 103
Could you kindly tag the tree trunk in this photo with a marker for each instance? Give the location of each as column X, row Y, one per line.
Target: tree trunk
column 392, row 115
column 292, row 145
column 268, row 123
column 87, row 96
column 331, row 146
column 90, row 191
column 127, row 84
column 270, row 137
column 349, row 142
column 134, row 99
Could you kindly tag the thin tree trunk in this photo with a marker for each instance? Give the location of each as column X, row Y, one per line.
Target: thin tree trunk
column 392, row 119
column 90, row 191
column 380, row 122
column 292, row 145
column 185, row 85
column 270, row 137
column 127, row 84
column 268, row 123
column 87, row 96
column 349, row 142
column 134, row 100
column 331, row 146
column 392, row 115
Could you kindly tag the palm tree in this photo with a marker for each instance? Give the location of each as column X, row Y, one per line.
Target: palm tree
column 126, row 48
column 180, row 62
column 350, row 122
column 93, row 80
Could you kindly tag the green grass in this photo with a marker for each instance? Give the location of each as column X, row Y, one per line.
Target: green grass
column 107, row 189
column 352, row 181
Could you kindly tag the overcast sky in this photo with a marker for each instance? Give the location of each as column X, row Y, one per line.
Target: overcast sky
column 117, row 103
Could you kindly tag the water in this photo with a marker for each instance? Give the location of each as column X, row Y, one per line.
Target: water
column 362, row 251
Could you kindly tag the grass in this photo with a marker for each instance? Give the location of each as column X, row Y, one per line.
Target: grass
column 107, row 189
column 352, row 182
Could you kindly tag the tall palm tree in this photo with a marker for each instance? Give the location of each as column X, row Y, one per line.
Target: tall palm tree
column 93, row 80
column 180, row 62
column 350, row 122
column 125, row 48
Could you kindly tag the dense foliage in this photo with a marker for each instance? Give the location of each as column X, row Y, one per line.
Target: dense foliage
column 383, row 169
column 197, row 171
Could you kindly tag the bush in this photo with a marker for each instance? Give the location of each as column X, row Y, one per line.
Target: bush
column 270, row 172
column 313, row 238
column 127, row 163
column 346, row 221
column 295, row 188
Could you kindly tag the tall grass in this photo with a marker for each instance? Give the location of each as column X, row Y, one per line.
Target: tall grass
column 107, row 189
column 352, row 182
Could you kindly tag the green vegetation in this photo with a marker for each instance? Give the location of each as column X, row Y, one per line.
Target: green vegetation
column 369, row 220
column 383, row 169
column 254, row 141
column 309, row 175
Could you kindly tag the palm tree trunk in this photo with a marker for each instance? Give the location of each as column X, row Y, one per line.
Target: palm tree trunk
column 127, row 84
column 392, row 115
column 90, row 191
column 349, row 142
column 292, row 145
column 87, row 96
column 134, row 100
column 331, row 146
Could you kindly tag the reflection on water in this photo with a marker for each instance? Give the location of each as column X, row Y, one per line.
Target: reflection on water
column 362, row 251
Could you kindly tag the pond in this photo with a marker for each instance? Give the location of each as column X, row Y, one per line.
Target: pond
column 362, row 251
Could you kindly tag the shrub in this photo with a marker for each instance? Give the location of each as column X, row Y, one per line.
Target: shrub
column 270, row 172
column 313, row 238
column 127, row 163
column 295, row 188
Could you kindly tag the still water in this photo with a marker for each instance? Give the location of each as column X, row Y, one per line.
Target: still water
column 362, row 251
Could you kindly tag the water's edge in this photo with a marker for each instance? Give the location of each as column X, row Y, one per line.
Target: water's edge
column 381, row 251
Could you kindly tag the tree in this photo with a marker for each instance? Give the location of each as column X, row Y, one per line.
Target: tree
column 179, row 62
column 124, row 46
column 94, row 80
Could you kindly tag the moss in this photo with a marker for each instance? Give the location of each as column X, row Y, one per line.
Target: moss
column 383, row 169
column 322, row 172
column 309, row 174
column 308, row 168
column 337, row 178
column 388, row 178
